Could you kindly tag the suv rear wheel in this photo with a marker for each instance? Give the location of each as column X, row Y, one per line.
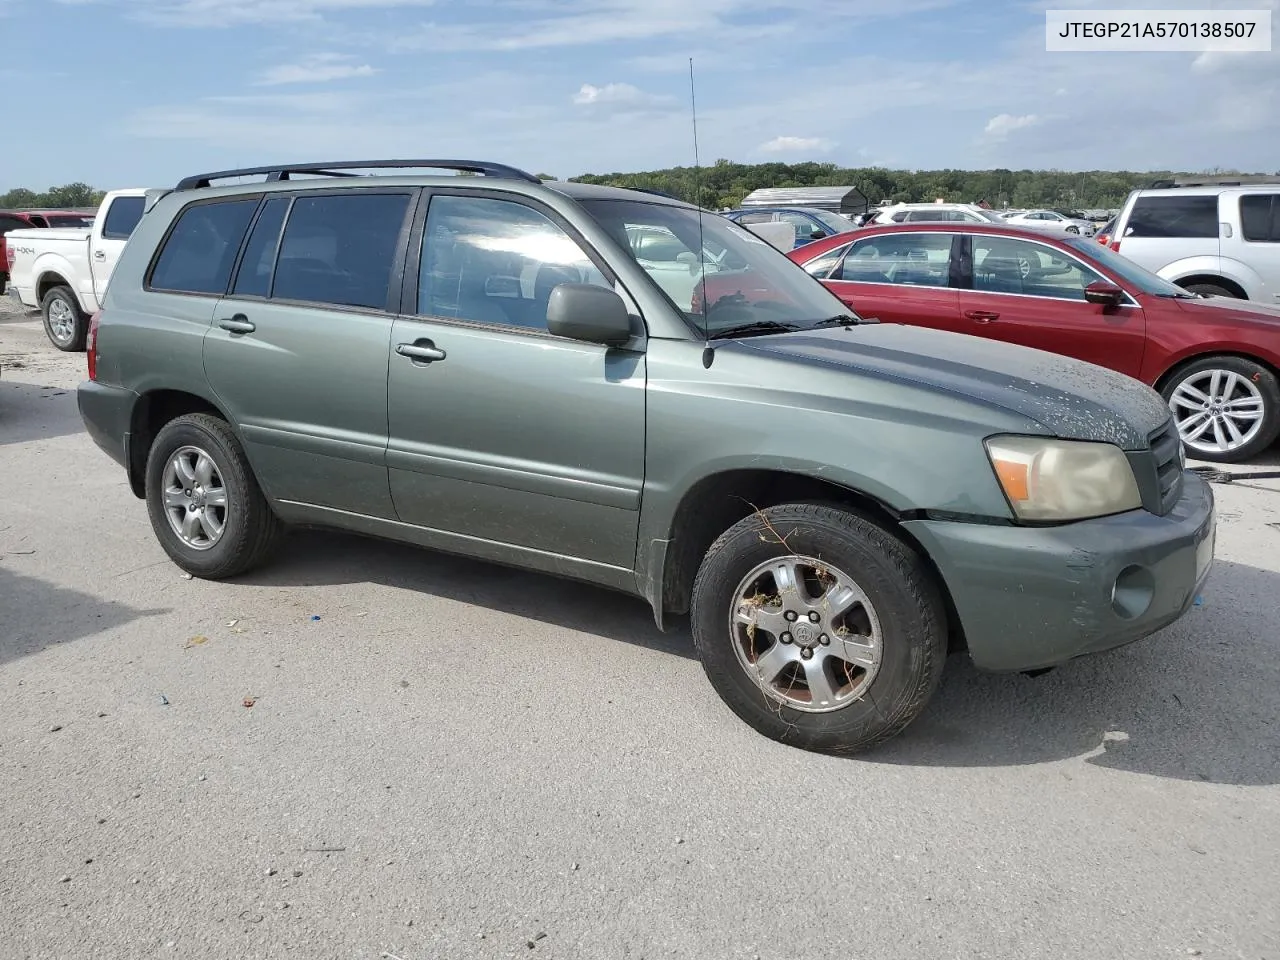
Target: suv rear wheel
column 65, row 324
column 1227, row 408
column 206, row 508
column 818, row 627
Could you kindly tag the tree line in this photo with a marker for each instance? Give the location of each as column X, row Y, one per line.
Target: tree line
column 68, row 196
column 725, row 183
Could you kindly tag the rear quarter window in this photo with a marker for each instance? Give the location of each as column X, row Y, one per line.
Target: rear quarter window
column 201, row 249
column 122, row 216
column 1193, row 217
column 11, row 223
column 1260, row 217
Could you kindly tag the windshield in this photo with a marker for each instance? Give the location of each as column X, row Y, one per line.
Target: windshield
column 741, row 279
column 1143, row 279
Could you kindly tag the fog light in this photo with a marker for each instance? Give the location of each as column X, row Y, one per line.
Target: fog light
column 1132, row 592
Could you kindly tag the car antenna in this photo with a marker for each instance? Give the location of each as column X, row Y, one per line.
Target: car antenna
column 708, row 352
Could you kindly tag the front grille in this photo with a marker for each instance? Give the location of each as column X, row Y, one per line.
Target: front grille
column 1165, row 452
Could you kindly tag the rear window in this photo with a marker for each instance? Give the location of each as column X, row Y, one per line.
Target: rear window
column 200, row 251
column 122, row 216
column 1194, row 217
column 340, row 249
column 1260, row 217
column 11, row 223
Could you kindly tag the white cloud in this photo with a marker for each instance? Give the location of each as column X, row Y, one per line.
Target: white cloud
column 1003, row 124
column 230, row 13
column 795, row 145
column 618, row 93
column 319, row 68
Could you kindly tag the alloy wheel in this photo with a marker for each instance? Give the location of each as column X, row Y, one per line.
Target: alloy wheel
column 1217, row 411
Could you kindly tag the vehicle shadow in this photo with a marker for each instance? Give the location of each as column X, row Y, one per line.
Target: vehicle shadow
column 36, row 614
column 1199, row 701
column 32, row 412
column 316, row 557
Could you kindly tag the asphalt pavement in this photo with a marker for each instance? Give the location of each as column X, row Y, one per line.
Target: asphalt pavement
column 369, row 751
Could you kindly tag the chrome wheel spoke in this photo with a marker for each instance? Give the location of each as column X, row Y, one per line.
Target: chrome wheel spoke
column 789, row 579
column 1202, row 421
column 774, row 660
column 1236, row 436
column 210, row 523
column 204, row 471
column 1188, row 396
column 820, row 689
column 859, row 651
column 190, row 525
column 185, row 471
column 174, row 498
column 215, row 497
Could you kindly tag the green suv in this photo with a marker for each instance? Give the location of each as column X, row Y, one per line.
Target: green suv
column 621, row 388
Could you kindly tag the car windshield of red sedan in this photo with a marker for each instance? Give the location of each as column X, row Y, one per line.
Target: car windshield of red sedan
column 1126, row 269
column 739, row 280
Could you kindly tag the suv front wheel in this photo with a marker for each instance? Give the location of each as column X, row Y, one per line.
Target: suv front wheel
column 206, row 508
column 818, row 628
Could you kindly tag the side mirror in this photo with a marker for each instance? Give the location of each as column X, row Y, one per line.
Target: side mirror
column 1102, row 292
column 586, row 311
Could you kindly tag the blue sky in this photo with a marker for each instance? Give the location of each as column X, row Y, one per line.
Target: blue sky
column 141, row 92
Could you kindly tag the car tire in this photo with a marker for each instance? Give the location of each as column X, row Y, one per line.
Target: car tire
column 1211, row 290
column 1246, row 385
column 65, row 324
column 223, row 541
column 873, row 688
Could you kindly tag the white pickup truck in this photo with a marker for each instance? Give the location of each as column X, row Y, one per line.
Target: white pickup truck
column 64, row 272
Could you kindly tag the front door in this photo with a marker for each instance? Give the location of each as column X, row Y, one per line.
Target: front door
column 1032, row 294
column 899, row 277
column 297, row 351
column 499, row 431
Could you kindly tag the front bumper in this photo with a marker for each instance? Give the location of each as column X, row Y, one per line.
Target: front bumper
column 1031, row 597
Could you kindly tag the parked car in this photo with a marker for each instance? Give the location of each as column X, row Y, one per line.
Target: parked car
column 834, row 503
column 1052, row 221
column 1103, row 236
column 64, row 271
column 936, row 213
column 810, row 223
column 1215, row 361
column 1219, row 238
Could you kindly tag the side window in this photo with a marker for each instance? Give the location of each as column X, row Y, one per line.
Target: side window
column 1193, row 217
column 340, row 249
column 821, row 266
column 1031, row 269
column 201, row 249
column 1260, row 217
column 804, row 227
column 497, row 261
column 254, row 276
column 122, row 216
column 755, row 218
column 918, row 260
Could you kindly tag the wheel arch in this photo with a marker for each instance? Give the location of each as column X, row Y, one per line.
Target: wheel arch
column 1183, row 362
column 50, row 279
column 151, row 412
column 1217, row 280
column 719, row 500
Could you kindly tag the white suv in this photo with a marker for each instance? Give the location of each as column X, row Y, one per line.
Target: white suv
column 935, row 212
column 1219, row 238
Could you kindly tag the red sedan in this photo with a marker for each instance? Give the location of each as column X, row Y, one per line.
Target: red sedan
column 1214, row 359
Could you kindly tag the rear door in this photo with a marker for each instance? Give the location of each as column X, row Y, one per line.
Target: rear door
column 1164, row 228
column 900, row 277
column 297, row 352
column 1257, row 242
column 1032, row 294
column 111, row 232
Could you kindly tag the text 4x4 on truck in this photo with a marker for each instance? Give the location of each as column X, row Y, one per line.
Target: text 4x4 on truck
column 486, row 365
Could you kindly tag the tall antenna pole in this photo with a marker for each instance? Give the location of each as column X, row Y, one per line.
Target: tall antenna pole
column 708, row 354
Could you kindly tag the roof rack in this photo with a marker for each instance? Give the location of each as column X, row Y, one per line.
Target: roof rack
column 1240, row 180
column 277, row 172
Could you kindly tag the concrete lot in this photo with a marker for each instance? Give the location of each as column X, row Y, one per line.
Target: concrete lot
column 461, row 761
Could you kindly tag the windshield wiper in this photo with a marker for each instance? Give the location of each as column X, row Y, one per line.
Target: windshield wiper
column 839, row 320
column 757, row 327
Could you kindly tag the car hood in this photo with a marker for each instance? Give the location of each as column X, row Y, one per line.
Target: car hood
column 1227, row 308
column 1070, row 398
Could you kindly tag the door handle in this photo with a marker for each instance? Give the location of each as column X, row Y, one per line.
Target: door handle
column 981, row 316
column 424, row 351
column 99, row 254
column 237, row 324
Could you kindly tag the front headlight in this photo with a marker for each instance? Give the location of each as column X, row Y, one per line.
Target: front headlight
column 1046, row 479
